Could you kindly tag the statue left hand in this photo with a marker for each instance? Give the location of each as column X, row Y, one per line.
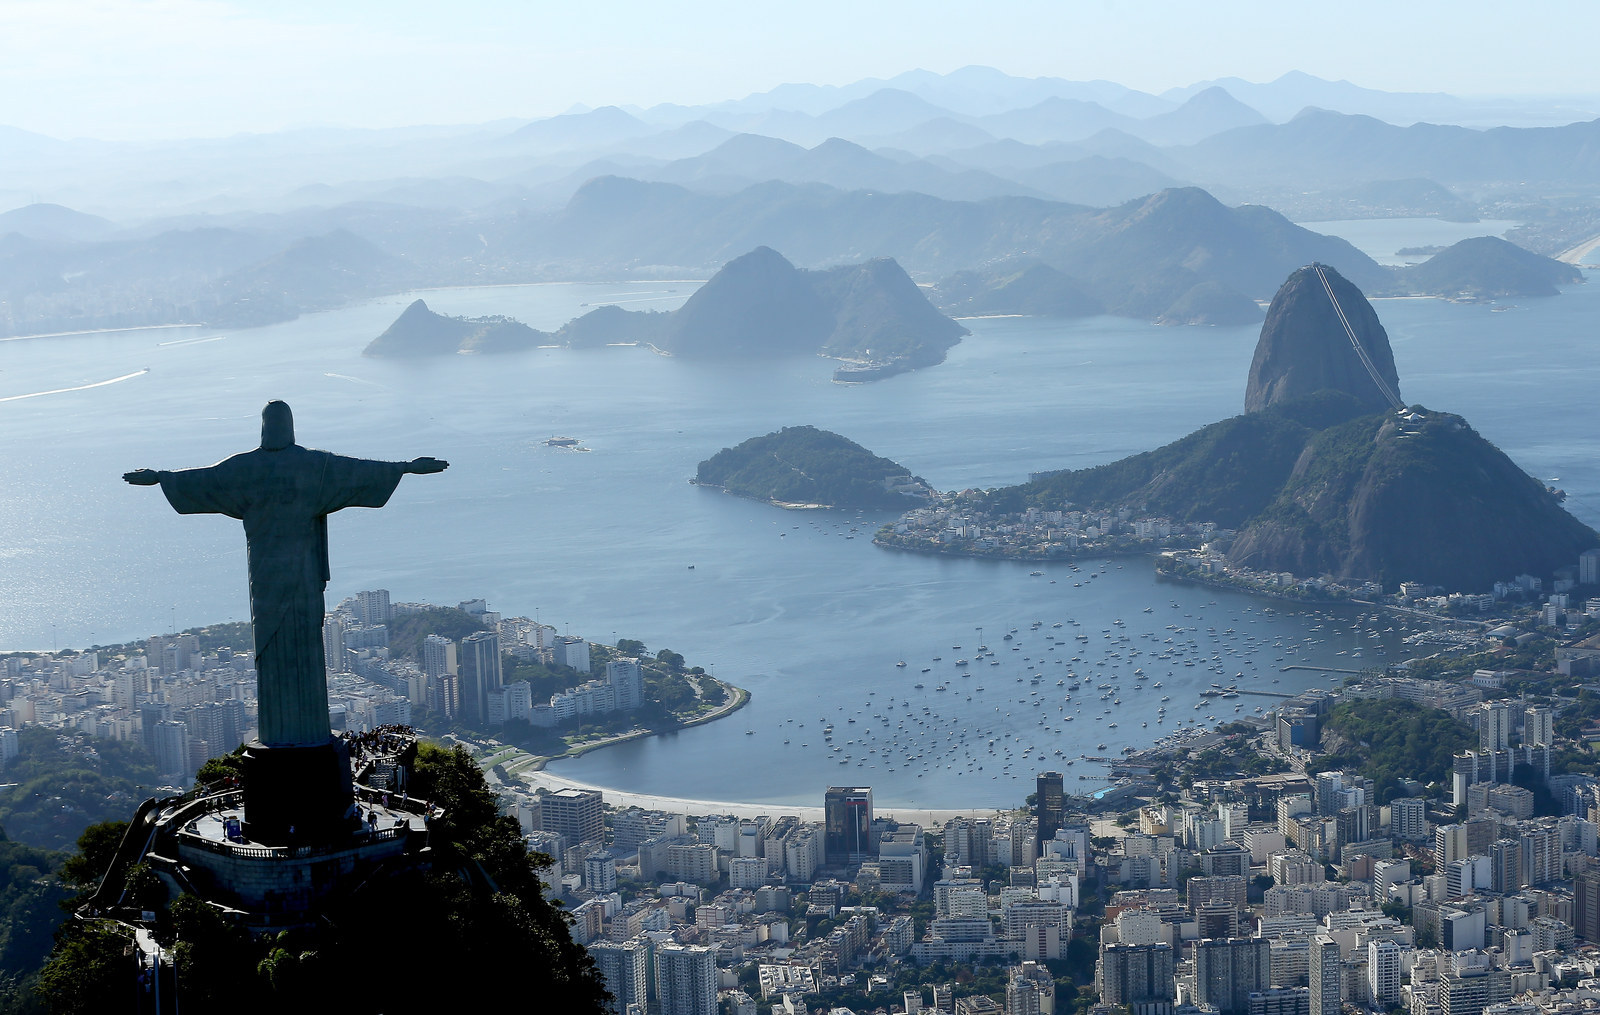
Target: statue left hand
column 424, row 466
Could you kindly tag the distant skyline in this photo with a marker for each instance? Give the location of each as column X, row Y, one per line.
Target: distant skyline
column 132, row 69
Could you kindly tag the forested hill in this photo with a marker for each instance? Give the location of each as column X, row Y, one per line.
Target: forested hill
column 802, row 465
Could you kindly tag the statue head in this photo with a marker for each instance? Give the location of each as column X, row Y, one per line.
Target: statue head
column 277, row 426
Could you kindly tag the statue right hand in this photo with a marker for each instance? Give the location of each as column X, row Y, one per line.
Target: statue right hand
column 142, row 477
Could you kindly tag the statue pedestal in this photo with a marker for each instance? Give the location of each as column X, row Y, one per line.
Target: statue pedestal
column 306, row 789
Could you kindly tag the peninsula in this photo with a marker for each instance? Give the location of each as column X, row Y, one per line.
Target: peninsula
column 802, row 466
column 419, row 331
column 1328, row 476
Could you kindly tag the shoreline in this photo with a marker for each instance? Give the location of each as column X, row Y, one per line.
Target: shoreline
column 534, row 774
column 738, row 697
column 926, row 816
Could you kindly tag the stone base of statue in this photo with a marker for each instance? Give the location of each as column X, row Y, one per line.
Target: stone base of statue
column 208, row 845
column 297, row 795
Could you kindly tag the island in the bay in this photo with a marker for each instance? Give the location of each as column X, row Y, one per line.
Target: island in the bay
column 758, row 306
column 1328, row 474
column 802, row 466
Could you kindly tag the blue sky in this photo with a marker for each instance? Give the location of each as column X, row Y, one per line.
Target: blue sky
column 166, row 68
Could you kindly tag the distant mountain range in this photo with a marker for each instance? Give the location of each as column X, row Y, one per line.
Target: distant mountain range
column 1177, row 256
column 1135, row 199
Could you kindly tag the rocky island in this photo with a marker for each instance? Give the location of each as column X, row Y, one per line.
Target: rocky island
column 802, row 466
column 758, row 306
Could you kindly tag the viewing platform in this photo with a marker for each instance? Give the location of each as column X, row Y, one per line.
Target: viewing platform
column 201, row 843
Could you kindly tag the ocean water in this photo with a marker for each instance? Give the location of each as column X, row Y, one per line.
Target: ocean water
column 795, row 606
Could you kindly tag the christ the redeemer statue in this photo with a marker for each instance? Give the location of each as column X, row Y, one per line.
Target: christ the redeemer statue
column 284, row 493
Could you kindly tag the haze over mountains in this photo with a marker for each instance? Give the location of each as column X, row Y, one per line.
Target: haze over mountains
column 972, row 172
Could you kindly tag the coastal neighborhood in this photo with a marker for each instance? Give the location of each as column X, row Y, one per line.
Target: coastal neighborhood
column 1418, row 834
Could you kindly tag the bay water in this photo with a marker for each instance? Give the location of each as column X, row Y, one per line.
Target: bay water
column 799, row 607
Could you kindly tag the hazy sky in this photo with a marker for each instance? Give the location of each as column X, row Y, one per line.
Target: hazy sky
column 165, row 68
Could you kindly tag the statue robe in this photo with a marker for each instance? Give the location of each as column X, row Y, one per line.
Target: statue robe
column 284, row 497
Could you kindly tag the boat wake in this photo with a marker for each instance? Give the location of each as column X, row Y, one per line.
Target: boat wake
column 81, row 387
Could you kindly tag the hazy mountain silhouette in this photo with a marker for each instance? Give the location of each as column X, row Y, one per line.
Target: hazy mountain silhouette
column 1208, row 112
column 54, row 223
column 1321, row 148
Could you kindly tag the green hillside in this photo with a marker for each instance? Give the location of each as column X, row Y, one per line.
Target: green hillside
column 805, row 465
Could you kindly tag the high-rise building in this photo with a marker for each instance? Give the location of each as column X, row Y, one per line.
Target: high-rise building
column 438, row 656
column 172, row 749
column 847, row 824
column 333, row 643
column 1228, row 970
column 1505, row 865
column 1049, row 802
column 599, row 873
column 480, row 675
column 627, row 681
column 1586, row 905
column 1538, row 726
column 1494, row 726
column 1589, row 567
column 686, row 980
column 1408, row 818
column 1326, row 976
column 570, row 651
column 1472, row 985
column 372, row 608
column 445, row 696
column 1383, row 972
column 625, row 966
column 576, row 814
column 1135, row 974
column 1030, row 990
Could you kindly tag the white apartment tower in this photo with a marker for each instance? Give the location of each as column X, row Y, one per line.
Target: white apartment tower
column 439, row 657
column 1383, row 972
column 627, row 680
column 686, row 980
column 372, row 607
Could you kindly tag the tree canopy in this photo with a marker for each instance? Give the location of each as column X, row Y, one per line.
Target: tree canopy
column 477, row 904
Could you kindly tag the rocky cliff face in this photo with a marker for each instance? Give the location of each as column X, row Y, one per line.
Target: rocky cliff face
column 1304, row 347
column 1420, row 498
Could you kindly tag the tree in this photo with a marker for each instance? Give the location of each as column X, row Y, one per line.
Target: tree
column 477, row 902
column 91, row 971
column 96, row 846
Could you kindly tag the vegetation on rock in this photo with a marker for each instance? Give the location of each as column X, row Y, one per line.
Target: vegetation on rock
column 805, row 465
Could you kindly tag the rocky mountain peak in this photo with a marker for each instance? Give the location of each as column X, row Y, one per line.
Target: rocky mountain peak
column 1305, row 348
